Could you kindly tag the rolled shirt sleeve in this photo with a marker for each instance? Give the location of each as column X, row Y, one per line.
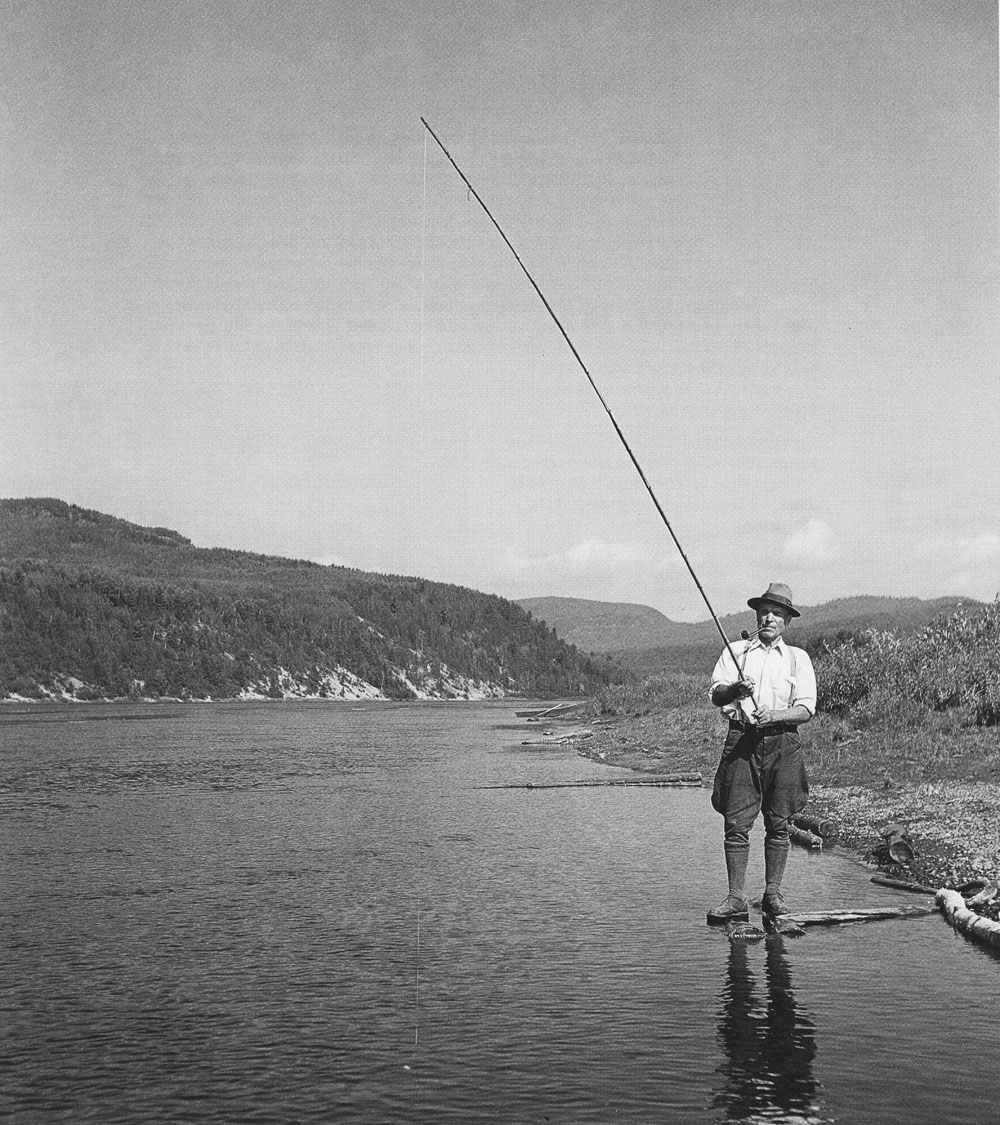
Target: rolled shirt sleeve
column 724, row 674
column 804, row 694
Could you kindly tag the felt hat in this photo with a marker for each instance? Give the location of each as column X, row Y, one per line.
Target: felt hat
column 777, row 594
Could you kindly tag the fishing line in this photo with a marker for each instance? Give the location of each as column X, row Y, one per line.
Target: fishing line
column 423, row 267
column 583, row 367
column 416, row 1017
column 423, row 306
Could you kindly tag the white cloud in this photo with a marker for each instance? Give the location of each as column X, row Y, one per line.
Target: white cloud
column 984, row 547
column 815, row 542
column 591, row 558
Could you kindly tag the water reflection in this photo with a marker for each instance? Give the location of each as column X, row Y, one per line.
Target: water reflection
column 769, row 1043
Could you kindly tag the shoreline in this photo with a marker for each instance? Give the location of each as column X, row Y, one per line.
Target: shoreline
column 953, row 825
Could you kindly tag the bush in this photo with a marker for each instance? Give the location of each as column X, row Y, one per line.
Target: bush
column 658, row 693
column 881, row 677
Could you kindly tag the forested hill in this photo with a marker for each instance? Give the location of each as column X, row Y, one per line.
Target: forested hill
column 606, row 627
column 646, row 642
column 94, row 607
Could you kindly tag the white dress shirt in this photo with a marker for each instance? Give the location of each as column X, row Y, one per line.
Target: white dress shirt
column 776, row 685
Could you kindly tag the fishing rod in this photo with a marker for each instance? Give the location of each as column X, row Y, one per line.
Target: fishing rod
column 583, row 367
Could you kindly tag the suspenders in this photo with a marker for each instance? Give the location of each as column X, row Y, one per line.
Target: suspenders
column 793, row 667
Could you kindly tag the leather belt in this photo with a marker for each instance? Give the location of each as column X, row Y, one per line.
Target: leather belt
column 765, row 731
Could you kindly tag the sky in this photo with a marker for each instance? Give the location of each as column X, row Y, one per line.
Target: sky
column 246, row 297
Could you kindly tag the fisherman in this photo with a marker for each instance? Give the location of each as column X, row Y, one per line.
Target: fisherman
column 766, row 697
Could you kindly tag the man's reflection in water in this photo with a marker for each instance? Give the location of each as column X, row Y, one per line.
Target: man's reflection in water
column 769, row 1043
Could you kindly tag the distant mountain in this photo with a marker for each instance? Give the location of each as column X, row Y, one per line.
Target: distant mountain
column 93, row 607
column 643, row 639
column 609, row 626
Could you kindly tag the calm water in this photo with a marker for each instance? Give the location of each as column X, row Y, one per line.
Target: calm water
column 312, row 912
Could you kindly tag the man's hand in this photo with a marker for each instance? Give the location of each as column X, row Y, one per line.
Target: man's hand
column 764, row 716
column 724, row 694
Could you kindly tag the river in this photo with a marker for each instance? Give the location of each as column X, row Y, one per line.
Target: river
column 312, row 912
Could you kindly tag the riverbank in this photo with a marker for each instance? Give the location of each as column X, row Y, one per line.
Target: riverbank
column 942, row 782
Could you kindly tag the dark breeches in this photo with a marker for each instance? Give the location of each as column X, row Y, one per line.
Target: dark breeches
column 760, row 773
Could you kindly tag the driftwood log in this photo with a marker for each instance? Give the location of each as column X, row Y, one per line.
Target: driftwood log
column 804, row 837
column 968, row 921
column 558, row 740
column 665, row 781
column 868, row 914
column 817, row 825
column 903, row 885
column 793, row 924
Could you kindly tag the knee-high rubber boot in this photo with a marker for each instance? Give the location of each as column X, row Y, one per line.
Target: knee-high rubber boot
column 775, row 858
column 735, row 907
column 737, row 855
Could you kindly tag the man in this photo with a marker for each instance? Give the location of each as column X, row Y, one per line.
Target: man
column 766, row 696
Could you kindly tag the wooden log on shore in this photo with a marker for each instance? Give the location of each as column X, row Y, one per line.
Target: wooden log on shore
column 818, row 825
column 868, row 914
column 903, row 885
column 666, row 782
column 804, row 837
column 967, row 921
column 688, row 779
column 559, row 740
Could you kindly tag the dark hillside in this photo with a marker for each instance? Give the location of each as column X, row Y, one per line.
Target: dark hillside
column 93, row 606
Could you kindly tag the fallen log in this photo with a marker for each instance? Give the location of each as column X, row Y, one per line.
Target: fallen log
column 668, row 781
column 560, row 740
column 818, row 825
column 967, row 921
column 537, row 713
column 903, row 885
column 868, row 914
column 804, row 837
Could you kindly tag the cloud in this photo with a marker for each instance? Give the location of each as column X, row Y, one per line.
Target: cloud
column 588, row 559
column 815, row 542
column 984, row 547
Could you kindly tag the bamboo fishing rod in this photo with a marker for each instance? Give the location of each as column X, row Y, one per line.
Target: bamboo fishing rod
column 583, row 367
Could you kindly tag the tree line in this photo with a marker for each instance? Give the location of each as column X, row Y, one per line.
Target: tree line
column 131, row 611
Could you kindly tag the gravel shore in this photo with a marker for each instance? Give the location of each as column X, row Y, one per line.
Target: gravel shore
column 953, row 826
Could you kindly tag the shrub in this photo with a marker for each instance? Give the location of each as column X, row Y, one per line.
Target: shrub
column 881, row 677
column 657, row 693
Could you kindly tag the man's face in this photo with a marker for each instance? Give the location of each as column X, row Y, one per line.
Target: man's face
column 771, row 621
